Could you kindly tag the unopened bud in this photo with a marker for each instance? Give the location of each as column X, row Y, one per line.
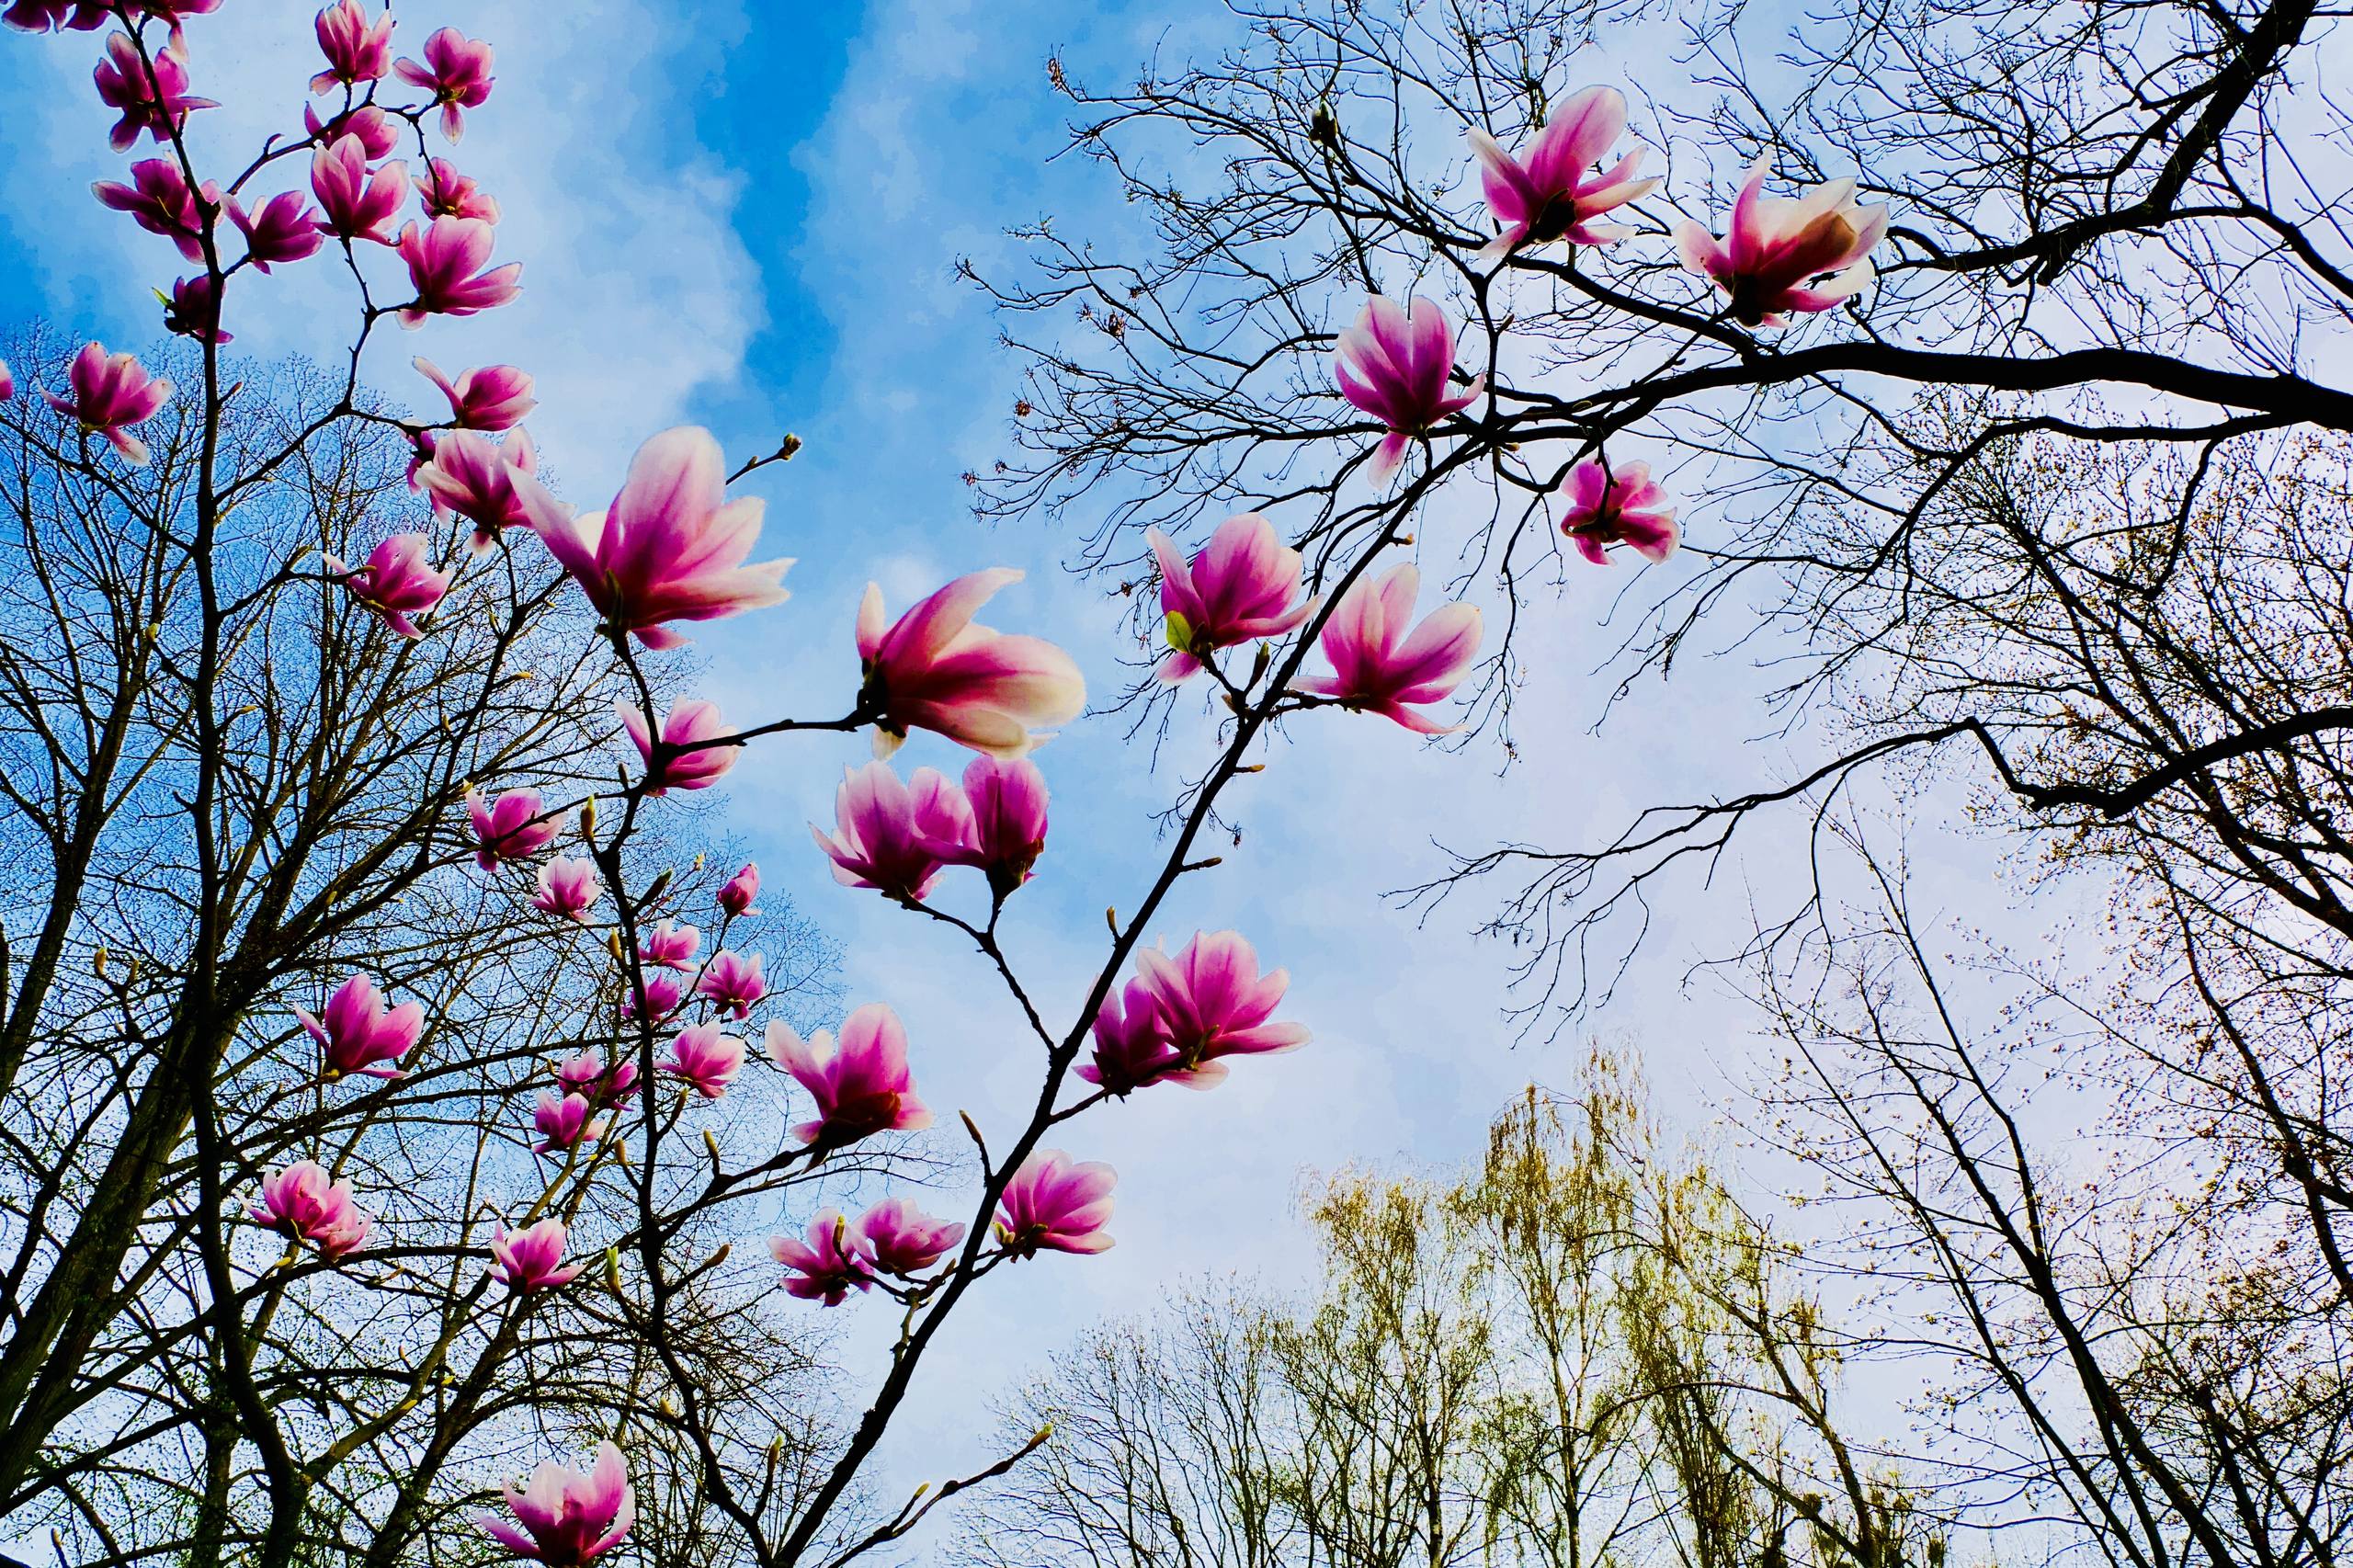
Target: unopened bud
column 589, row 818
column 99, row 962
column 613, row 1269
column 711, row 1142
column 668, row 1408
column 613, row 942
column 791, row 446
column 1111, row 919
column 721, row 1255
column 661, row 885
column 699, row 860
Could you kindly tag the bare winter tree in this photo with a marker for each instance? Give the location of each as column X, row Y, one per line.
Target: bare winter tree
column 2055, row 508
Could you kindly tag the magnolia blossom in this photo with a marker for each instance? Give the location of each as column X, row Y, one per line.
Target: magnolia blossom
column 283, row 229
column 446, row 193
column 686, row 764
column 359, row 1034
column 397, row 583
column 194, row 310
column 1238, row 590
column 474, row 477
column 1618, row 505
column 568, row 1519
column 445, row 261
column 671, row 547
column 513, row 827
column 357, row 202
column 861, row 1087
column 828, row 1265
column 457, row 70
column 587, row 1075
column 936, row 668
column 379, row 133
column 1555, row 194
column 736, row 895
column 490, row 397
column 1212, row 1002
column 1380, row 666
column 565, row 1123
column 706, row 1059
column 568, row 887
column 176, row 13
column 1053, row 1203
column 662, row 992
column 894, row 836
column 1007, row 831
column 532, row 1259
column 1133, row 1051
column 670, row 946
column 159, row 200
column 8, row 390
column 898, row 1238
column 733, row 982
column 43, row 15
column 109, row 394
column 149, row 94
column 1396, row 364
column 356, row 50
column 1782, row 253
column 309, row 1205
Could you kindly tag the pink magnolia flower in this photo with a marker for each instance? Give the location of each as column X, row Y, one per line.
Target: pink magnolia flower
column 194, row 310
column 1623, row 505
column 457, row 71
column 176, row 13
column 568, row 1518
column 588, row 1077
column 671, row 547
column 1237, row 590
column 736, row 895
column 565, row 1123
column 473, row 476
column 151, row 94
column 109, row 394
column 1212, row 1002
column 1007, row 831
column 1395, row 365
column 8, row 390
column 898, row 1238
column 663, row 991
column 379, row 133
column 938, row 669
column 490, row 397
column 1055, row 1204
column 359, row 1034
column 733, row 982
column 44, row 16
column 159, row 200
column 568, row 888
column 283, row 230
column 446, row 193
column 828, row 1266
column 397, row 581
column 357, row 202
column 533, row 1258
column 706, row 1059
column 670, row 946
column 1783, row 254
column 1133, row 1050
column 688, row 765
column 445, row 263
column 862, row 1086
column 894, row 836
column 356, row 50
column 309, row 1205
column 1380, row 667
column 513, row 827
column 1556, row 195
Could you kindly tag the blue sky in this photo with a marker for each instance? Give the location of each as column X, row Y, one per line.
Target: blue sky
column 745, row 215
